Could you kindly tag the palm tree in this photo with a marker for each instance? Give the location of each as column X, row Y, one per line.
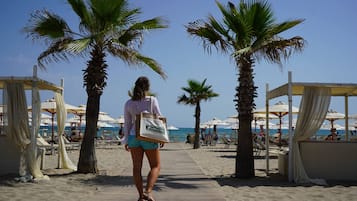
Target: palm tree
column 106, row 27
column 248, row 32
column 196, row 92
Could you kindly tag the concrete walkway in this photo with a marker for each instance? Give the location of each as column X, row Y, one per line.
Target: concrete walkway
column 180, row 180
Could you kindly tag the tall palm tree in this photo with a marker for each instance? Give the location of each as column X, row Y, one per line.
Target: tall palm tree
column 106, row 27
column 248, row 32
column 196, row 92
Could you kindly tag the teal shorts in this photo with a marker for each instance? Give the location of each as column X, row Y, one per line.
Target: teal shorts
column 134, row 143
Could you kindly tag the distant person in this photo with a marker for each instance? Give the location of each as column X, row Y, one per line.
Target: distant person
column 188, row 137
column 120, row 134
column 208, row 137
column 75, row 135
column 140, row 102
column 333, row 136
column 261, row 134
column 203, row 134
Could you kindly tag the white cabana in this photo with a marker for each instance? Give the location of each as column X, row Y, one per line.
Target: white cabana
column 313, row 108
column 18, row 143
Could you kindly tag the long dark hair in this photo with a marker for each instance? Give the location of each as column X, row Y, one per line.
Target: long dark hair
column 142, row 85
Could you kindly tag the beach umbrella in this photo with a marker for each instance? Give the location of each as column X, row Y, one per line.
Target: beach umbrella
column 80, row 111
column 50, row 107
column 256, row 118
column 45, row 118
column 279, row 109
column 232, row 121
column 215, row 122
column 99, row 123
column 102, row 124
column 333, row 115
column 120, row 121
column 105, row 117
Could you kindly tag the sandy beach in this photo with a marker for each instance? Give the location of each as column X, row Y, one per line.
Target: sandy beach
column 216, row 162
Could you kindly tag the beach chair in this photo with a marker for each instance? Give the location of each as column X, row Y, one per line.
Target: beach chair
column 42, row 143
column 258, row 145
column 71, row 145
column 227, row 142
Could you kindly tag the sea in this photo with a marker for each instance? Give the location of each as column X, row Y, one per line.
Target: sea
column 181, row 134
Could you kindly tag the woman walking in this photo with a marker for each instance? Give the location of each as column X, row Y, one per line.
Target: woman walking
column 141, row 102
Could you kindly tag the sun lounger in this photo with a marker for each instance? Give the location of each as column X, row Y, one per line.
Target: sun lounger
column 42, row 143
column 71, row 145
column 226, row 141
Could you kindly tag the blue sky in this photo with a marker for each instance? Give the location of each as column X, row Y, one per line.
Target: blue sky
column 329, row 28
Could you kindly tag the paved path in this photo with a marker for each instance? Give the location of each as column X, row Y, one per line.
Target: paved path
column 180, row 180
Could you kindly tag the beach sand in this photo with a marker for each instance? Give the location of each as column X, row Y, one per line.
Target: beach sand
column 217, row 162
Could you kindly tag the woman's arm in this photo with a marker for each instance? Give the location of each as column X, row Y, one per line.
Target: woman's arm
column 127, row 122
column 155, row 106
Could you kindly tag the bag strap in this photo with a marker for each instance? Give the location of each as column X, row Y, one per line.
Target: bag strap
column 151, row 111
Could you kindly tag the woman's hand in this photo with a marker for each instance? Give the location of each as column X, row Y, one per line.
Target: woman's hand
column 127, row 147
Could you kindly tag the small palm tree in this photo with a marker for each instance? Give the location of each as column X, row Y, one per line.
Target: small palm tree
column 196, row 92
column 106, row 27
column 248, row 32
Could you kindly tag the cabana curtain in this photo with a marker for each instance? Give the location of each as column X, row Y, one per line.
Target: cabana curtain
column 61, row 113
column 17, row 129
column 313, row 108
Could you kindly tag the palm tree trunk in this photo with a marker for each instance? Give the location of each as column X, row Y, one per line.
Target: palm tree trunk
column 94, row 80
column 87, row 159
column 246, row 91
column 196, row 143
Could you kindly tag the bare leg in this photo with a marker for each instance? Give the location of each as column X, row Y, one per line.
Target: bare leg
column 137, row 155
column 154, row 161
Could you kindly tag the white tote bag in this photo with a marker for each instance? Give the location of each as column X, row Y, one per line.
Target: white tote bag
column 151, row 127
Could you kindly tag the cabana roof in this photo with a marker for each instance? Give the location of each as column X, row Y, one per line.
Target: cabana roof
column 337, row 89
column 28, row 81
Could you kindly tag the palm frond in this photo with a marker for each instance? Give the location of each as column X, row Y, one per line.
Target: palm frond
column 80, row 8
column 277, row 50
column 133, row 57
column 208, row 35
column 279, row 28
column 152, row 64
column 154, row 23
column 55, row 52
column 79, row 45
column 44, row 24
column 108, row 11
column 128, row 37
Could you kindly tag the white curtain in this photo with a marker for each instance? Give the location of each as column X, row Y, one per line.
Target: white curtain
column 313, row 108
column 18, row 129
column 65, row 161
column 32, row 150
column 16, row 115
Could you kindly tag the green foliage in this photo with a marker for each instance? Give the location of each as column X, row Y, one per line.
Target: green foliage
column 248, row 32
column 106, row 26
column 196, row 92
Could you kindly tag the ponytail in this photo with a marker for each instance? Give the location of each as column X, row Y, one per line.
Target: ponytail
column 142, row 86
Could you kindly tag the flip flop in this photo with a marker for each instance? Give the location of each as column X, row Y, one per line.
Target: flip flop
column 148, row 196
